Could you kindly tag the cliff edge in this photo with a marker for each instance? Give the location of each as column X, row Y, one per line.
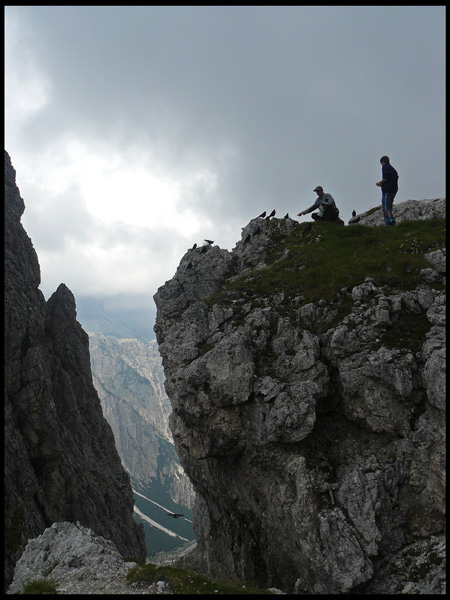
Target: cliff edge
column 61, row 463
column 306, row 373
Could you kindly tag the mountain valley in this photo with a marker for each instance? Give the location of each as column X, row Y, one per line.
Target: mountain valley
column 129, row 379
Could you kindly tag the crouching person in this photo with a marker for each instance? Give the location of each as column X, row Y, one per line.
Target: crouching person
column 328, row 211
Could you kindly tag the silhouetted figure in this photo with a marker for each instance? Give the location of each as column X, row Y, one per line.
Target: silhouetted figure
column 194, row 246
column 389, row 189
column 247, row 239
column 262, row 215
column 354, row 213
column 272, row 214
column 328, row 211
column 209, row 242
column 286, row 216
column 174, row 515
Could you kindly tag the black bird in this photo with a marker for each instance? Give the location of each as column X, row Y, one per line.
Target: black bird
column 262, row 215
column 189, row 266
column 272, row 214
column 257, row 230
column 354, row 213
column 174, row 515
column 247, row 239
column 286, row 216
column 194, row 246
column 209, row 242
column 307, row 228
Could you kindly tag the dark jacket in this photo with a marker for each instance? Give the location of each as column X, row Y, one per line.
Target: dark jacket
column 391, row 176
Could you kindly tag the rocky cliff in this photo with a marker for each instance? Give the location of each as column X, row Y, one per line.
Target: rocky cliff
column 129, row 379
column 306, row 372
column 61, row 463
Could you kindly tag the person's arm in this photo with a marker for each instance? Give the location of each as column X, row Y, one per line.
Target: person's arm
column 385, row 176
column 310, row 209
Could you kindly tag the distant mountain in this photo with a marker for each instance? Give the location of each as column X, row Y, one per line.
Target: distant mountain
column 99, row 315
column 129, row 379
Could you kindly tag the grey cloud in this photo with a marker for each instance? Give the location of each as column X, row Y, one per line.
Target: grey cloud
column 295, row 89
column 272, row 100
column 61, row 218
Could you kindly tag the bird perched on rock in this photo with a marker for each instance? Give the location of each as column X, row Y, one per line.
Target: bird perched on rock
column 247, row 239
column 209, row 242
column 262, row 215
column 354, row 213
column 272, row 214
column 307, row 228
column 194, row 246
column 286, row 216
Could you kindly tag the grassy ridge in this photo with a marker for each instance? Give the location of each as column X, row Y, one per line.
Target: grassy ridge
column 319, row 263
column 184, row 581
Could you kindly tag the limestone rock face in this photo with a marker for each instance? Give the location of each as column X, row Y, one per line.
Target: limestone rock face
column 61, row 463
column 316, row 457
column 129, row 379
column 70, row 555
column 132, row 370
column 411, row 210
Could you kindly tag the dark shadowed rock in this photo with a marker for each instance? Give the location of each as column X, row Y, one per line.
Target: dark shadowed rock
column 61, row 463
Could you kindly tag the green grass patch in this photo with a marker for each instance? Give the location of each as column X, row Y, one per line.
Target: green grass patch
column 183, row 581
column 40, row 586
column 408, row 332
column 319, row 263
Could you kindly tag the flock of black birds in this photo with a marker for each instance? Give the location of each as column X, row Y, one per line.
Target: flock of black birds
column 205, row 247
column 272, row 214
column 258, row 229
column 208, row 243
column 263, row 215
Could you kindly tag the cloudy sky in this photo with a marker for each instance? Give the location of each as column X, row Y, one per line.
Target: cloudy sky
column 137, row 131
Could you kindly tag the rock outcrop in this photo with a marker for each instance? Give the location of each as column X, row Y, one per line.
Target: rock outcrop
column 61, row 463
column 74, row 558
column 316, row 449
column 412, row 210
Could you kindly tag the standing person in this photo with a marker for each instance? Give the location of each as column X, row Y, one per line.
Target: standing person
column 328, row 211
column 389, row 188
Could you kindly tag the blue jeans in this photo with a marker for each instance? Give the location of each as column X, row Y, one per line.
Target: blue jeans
column 387, row 200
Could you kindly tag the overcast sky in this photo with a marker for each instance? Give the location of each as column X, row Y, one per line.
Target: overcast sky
column 137, row 131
